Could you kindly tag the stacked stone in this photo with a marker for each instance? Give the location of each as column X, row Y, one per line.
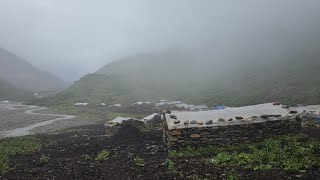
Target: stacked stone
column 228, row 134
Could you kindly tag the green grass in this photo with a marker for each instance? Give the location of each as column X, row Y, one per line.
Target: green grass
column 16, row 146
column 289, row 152
column 103, row 155
column 170, row 165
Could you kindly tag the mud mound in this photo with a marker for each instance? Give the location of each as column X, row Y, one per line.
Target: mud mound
column 127, row 134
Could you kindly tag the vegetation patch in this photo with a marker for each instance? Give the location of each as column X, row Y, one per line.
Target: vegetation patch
column 102, row 155
column 288, row 152
column 291, row 153
column 139, row 161
column 170, row 165
column 16, row 146
column 44, row 160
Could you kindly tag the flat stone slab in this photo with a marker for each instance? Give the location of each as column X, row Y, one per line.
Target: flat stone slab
column 250, row 114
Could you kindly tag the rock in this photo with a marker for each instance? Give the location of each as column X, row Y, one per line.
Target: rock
column 194, row 136
column 176, row 121
column 275, row 115
column 221, row 120
column 264, row 116
column 209, row 122
column 285, row 106
column 276, row 103
column 254, row 117
column 167, row 111
column 239, row 118
column 175, row 133
column 173, row 139
column 193, row 122
column 186, row 122
column 200, row 123
column 293, row 112
column 230, row 119
column 173, row 116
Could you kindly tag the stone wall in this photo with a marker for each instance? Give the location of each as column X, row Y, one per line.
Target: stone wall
column 228, row 134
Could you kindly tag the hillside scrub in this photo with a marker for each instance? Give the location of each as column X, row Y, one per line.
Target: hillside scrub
column 179, row 77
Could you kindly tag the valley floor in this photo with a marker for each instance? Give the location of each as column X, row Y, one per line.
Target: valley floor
column 17, row 119
column 84, row 151
column 132, row 154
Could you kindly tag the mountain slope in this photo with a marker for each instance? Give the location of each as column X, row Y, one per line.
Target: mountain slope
column 181, row 76
column 8, row 91
column 23, row 75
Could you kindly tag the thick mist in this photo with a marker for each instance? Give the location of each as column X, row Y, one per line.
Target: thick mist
column 76, row 37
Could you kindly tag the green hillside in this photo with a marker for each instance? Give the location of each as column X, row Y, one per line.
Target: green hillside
column 181, row 76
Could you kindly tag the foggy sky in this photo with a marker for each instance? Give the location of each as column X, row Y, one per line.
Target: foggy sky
column 74, row 37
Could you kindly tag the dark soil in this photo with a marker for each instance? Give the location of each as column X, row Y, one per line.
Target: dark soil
column 66, row 152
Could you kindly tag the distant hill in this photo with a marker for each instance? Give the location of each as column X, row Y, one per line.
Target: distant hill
column 10, row 92
column 21, row 74
column 200, row 80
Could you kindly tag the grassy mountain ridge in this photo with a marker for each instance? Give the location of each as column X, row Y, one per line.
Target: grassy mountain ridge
column 179, row 76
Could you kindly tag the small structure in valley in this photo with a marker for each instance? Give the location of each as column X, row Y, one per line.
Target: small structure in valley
column 228, row 125
column 78, row 104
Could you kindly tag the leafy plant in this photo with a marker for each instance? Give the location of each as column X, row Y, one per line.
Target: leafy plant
column 44, row 159
column 102, row 155
column 232, row 176
column 170, row 165
column 139, row 161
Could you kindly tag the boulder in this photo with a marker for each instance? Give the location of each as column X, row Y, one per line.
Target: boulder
column 200, row 123
column 293, row 112
column 285, row 107
column 175, row 133
column 173, row 116
column 167, row 111
column 209, row 122
column 221, row 120
column 193, row 122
